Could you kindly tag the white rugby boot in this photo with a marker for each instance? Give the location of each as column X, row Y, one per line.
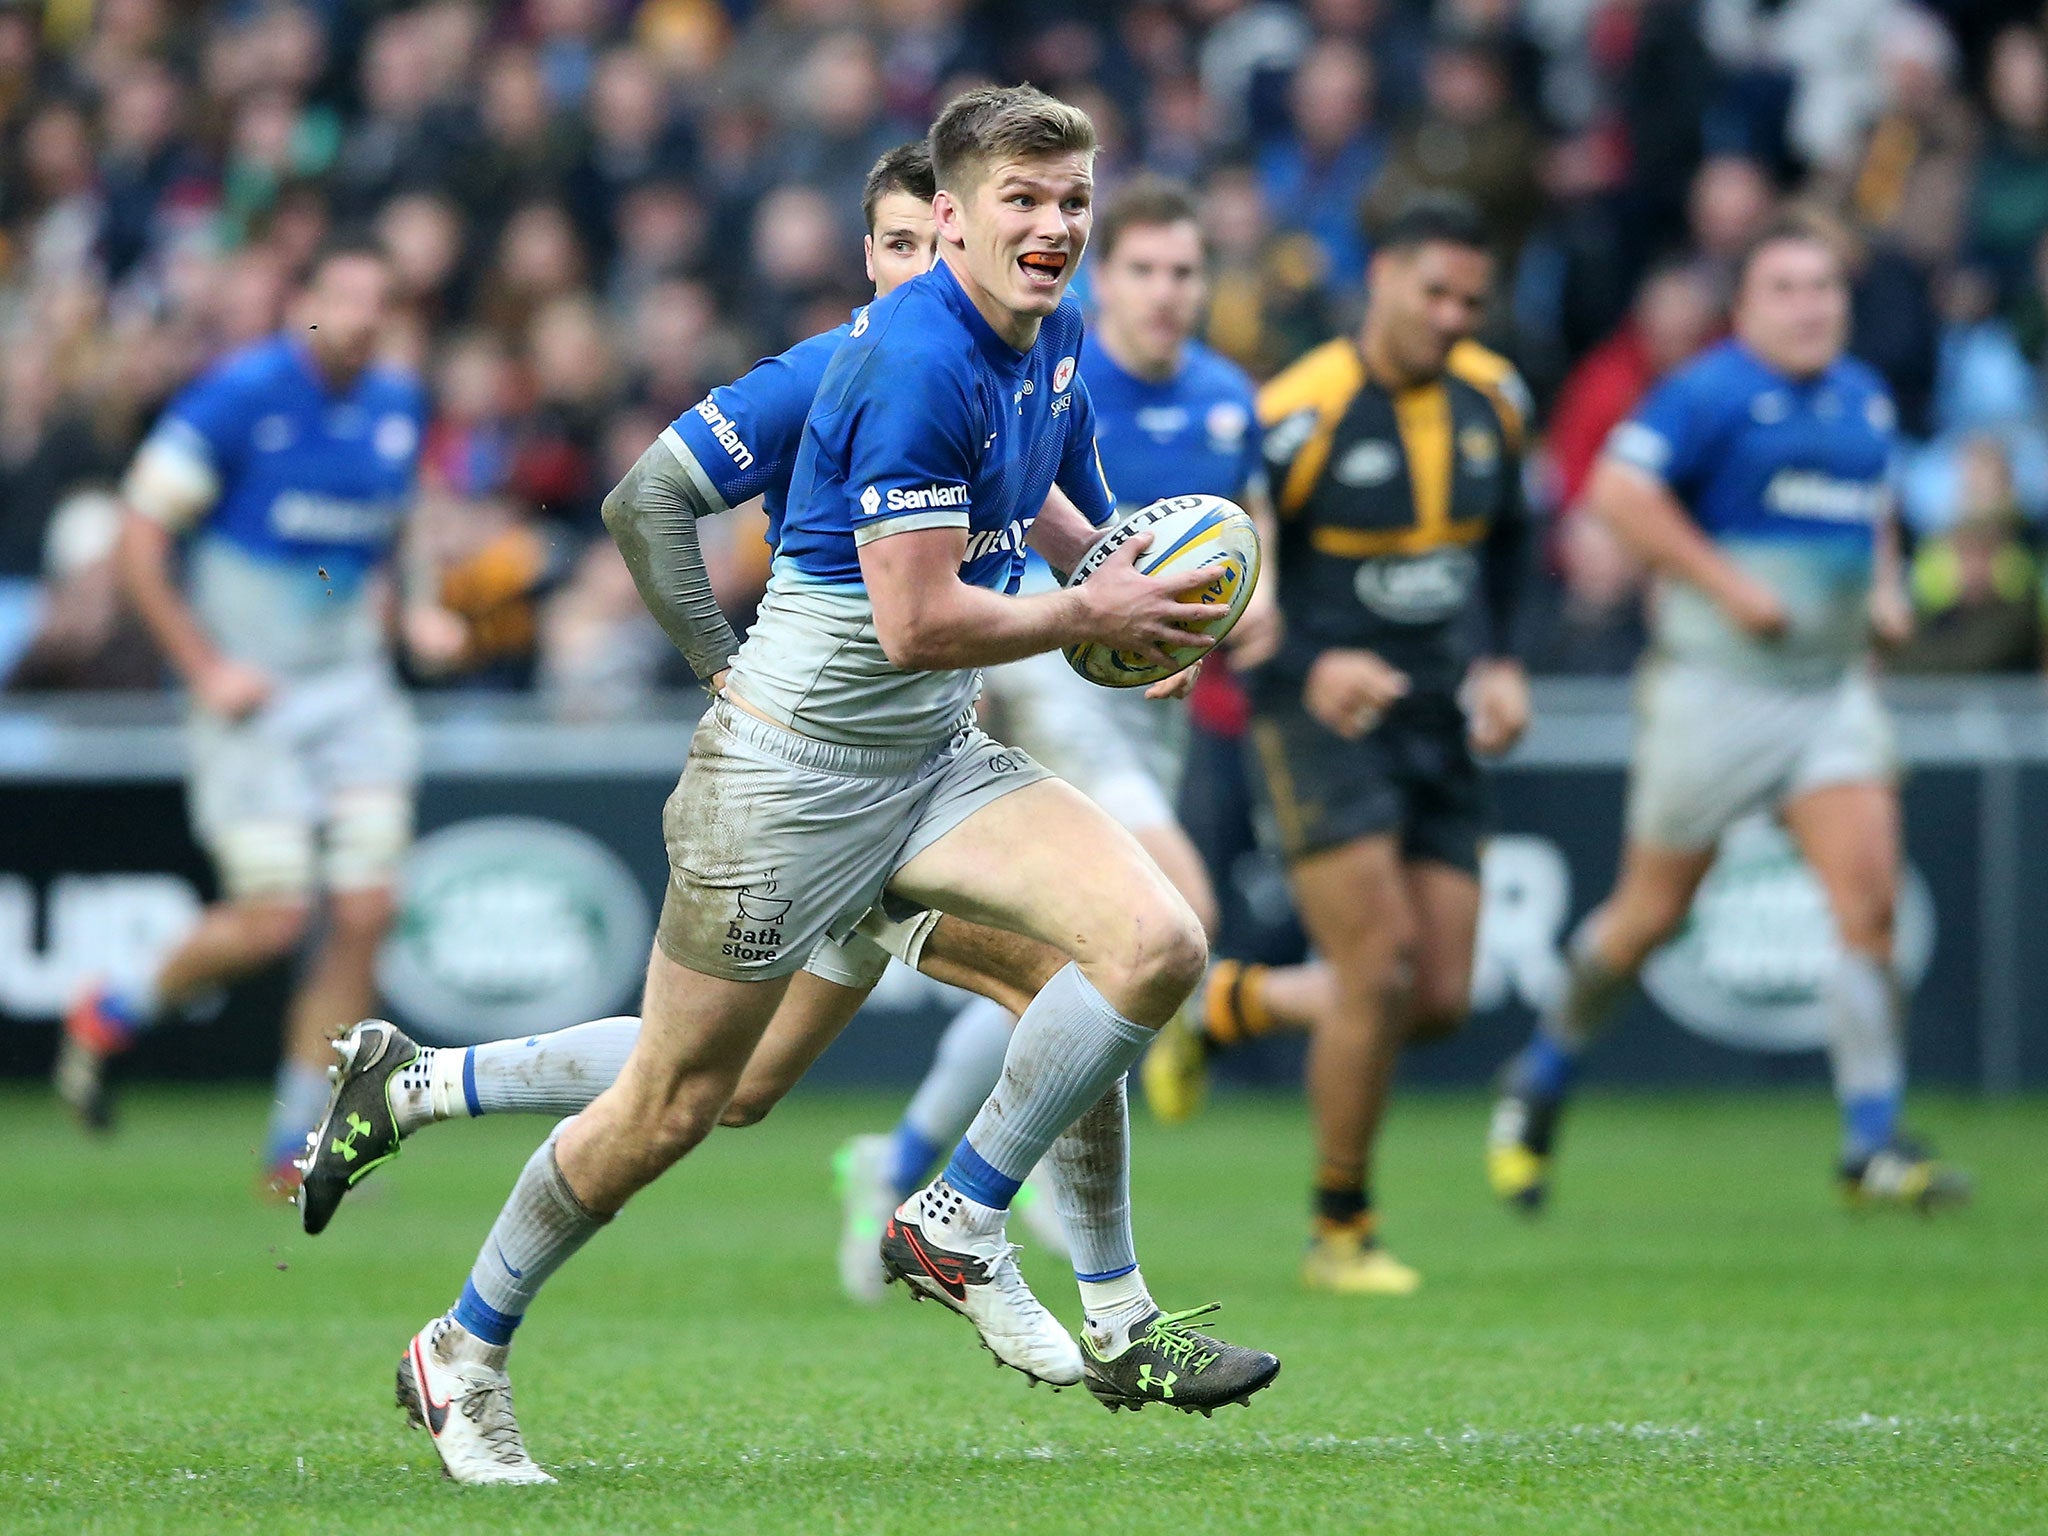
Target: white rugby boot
column 940, row 1245
column 454, row 1386
column 867, row 1199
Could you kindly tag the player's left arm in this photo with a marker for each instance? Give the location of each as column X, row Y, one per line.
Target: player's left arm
column 1497, row 688
column 1061, row 534
column 1891, row 608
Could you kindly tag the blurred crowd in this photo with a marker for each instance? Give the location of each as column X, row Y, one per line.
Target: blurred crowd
column 600, row 208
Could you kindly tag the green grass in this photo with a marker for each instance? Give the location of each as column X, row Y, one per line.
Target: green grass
column 1696, row 1340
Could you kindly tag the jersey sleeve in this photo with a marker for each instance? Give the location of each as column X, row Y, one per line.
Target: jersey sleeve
column 744, row 435
column 908, row 444
column 1666, row 436
column 1080, row 473
column 177, row 474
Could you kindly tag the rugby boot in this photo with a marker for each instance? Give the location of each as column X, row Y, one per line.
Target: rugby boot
column 96, row 1029
column 1162, row 1357
column 867, row 1199
column 1347, row 1260
column 454, row 1386
column 938, row 1249
column 1519, row 1139
column 361, row 1129
column 1906, row 1175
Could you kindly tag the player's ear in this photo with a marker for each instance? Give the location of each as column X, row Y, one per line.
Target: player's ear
column 867, row 255
column 946, row 214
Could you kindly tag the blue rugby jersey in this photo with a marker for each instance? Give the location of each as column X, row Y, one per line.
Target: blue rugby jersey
column 926, row 418
column 1196, row 433
column 1790, row 478
column 745, row 435
column 313, row 487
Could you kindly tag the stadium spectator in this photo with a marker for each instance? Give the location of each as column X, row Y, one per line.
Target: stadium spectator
column 1470, row 138
column 671, row 181
column 1312, row 178
column 1977, row 588
column 2009, row 202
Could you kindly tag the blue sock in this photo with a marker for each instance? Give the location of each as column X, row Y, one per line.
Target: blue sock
column 483, row 1319
column 1868, row 1121
column 1545, row 1068
column 914, row 1154
column 980, row 1180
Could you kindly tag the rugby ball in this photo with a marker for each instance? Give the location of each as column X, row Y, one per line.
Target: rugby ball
column 1189, row 533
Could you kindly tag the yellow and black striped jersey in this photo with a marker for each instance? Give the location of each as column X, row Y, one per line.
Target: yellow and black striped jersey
column 1400, row 508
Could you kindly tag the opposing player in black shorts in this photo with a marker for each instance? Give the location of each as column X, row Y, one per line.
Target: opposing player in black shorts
column 1395, row 457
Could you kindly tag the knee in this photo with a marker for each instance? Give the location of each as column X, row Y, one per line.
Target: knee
column 1636, row 921
column 749, row 1106
column 1172, row 954
column 1864, row 917
column 1438, row 1011
column 273, row 926
column 675, row 1129
column 362, row 918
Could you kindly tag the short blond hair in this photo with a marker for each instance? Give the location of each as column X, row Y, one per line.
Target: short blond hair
column 993, row 123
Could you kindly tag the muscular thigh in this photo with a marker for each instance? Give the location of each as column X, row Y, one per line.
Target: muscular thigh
column 1353, row 901
column 1046, row 862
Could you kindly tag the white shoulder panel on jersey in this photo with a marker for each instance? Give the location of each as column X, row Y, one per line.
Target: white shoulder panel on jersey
column 171, row 480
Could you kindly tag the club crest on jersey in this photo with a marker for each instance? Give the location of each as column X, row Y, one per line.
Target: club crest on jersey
column 395, row 438
column 1479, row 450
column 1062, row 375
column 1226, row 424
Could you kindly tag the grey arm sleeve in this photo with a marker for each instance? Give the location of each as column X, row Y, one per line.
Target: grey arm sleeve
column 652, row 515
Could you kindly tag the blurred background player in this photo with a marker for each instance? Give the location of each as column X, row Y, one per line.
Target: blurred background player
column 289, row 469
column 1753, row 484
column 1172, row 418
column 1396, row 457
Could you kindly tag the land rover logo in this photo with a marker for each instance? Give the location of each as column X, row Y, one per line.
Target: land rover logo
column 510, row 925
column 1751, row 965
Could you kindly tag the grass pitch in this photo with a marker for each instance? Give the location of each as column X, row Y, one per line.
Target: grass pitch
column 1695, row 1340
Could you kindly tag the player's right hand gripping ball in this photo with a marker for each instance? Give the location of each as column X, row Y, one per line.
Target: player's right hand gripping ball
column 1188, row 533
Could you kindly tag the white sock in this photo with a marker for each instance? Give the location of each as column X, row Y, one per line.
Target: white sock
column 1088, row 1172
column 1067, row 1050
column 558, row 1073
column 1111, row 1306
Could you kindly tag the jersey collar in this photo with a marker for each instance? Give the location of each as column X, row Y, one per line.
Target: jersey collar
column 997, row 352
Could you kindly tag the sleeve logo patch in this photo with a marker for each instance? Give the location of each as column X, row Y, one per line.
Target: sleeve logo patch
column 919, row 498
column 1062, row 375
column 726, row 433
column 870, row 501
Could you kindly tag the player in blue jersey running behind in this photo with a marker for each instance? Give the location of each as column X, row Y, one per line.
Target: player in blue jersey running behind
column 287, row 470
column 1753, row 483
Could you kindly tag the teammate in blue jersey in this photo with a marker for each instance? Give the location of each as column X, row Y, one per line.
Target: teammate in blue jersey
column 1172, row 417
column 287, row 470
column 1753, row 482
column 839, row 761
